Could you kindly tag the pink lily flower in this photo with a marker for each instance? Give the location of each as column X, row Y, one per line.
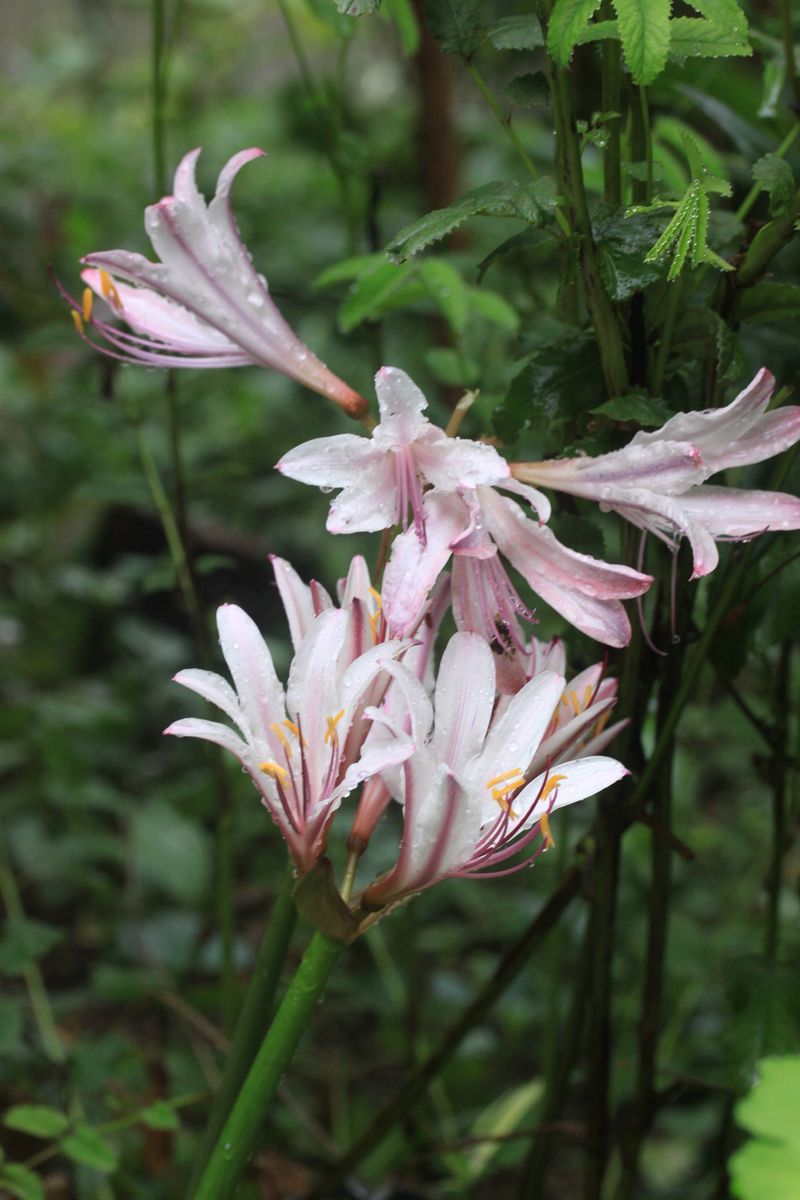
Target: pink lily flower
column 306, row 748
column 383, row 477
column 471, row 800
column 303, row 603
column 476, row 528
column 657, row 481
column 203, row 304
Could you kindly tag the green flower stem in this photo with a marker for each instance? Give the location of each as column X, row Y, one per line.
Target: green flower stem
column 568, row 156
column 239, row 1135
column 429, row 1067
column 254, row 1017
column 611, row 83
column 641, row 146
column 34, row 981
column 675, row 294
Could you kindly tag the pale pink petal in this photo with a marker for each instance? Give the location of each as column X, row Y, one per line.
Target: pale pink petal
column 464, row 697
column 211, row 731
column 566, row 735
column 665, row 466
column 581, row 778
column 296, row 598
column 537, row 500
column 740, row 512
column 312, row 692
column 330, row 462
column 414, row 567
column 401, row 405
column 454, row 463
column 367, row 505
column 250, row 664
column 215, row 689
column 515, row 736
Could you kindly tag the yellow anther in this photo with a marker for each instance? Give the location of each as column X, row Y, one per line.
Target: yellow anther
column 282, row 738
column 376, row 596
column 109, row 290
column 601, row 724
column 292, row 727
column 516, row 773
column 330, row 733
column 587, row 696
column 275, row 771
column 544, row 825
column 552, row 782
column 77, row 319
column 576, row 704
column 88, row 301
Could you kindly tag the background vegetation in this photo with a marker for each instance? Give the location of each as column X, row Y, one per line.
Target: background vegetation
column 111, row 1010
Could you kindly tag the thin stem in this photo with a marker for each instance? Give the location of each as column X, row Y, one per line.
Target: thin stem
column 611, row 85
column 675, row 293
column 778, row 772
column 743, row 211
column 34, row 980
column 601, row 310
column 507, row 969
column 534, row 1175
column 239, row 1135
column 254, row 1017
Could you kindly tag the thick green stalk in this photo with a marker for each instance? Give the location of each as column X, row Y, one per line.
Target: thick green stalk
column 768, row 242
column 675, row 294
column 429, row 1067
column 239, row 1134
column 601, row 310
column 255, row 1015
column 612, row 102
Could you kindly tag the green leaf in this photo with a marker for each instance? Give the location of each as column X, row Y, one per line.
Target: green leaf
column 500, row 1118
column 493, row 308
column 447, row 289
column 87, row 1147
column 451, row 368
column 171, row 851
column 370, row 293
column 777, row 178
column 456, row 23
column 349, row 268
column 516, row 33
column 622, row 243
column 511, row 245
column 725, row 13
column 598, row 31
column 317, row 899
column 529, row 90
column 357, row 8
column 692, row 37
column 160, row 1115
column 644, row 29
column 18, row 1181
column 23, row 942
column 532, row 203
column 567, row 20
column 560, row 381
column 401, row 14
column 36, row 1119
column 647, row 411
column 767, row 302
column 768, row 1166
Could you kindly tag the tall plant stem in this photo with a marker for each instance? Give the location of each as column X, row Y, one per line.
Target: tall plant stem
column 429, row 1067
column 534, row 1175
column 779, row 769
column 254, row 1017
column 34, row 980
column 239, row 1134
column 570, row 172
column 675, row 294
column 655, row 957
column 612, row 101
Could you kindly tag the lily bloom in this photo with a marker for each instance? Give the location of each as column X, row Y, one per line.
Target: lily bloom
column 471, row 800
column 303, row 603
column 303, row 748
column 657, row 481
column 476, row 528
column 383, row 477
column 203, row 304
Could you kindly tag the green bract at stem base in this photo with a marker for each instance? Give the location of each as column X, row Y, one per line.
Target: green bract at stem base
column 237, row 1140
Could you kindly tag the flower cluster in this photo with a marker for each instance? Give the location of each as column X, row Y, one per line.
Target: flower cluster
column 479, row 751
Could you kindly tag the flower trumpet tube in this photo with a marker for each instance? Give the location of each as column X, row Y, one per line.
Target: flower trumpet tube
column 472, row 795
column 203, row 304
column 305, row 749
column 657, row 481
